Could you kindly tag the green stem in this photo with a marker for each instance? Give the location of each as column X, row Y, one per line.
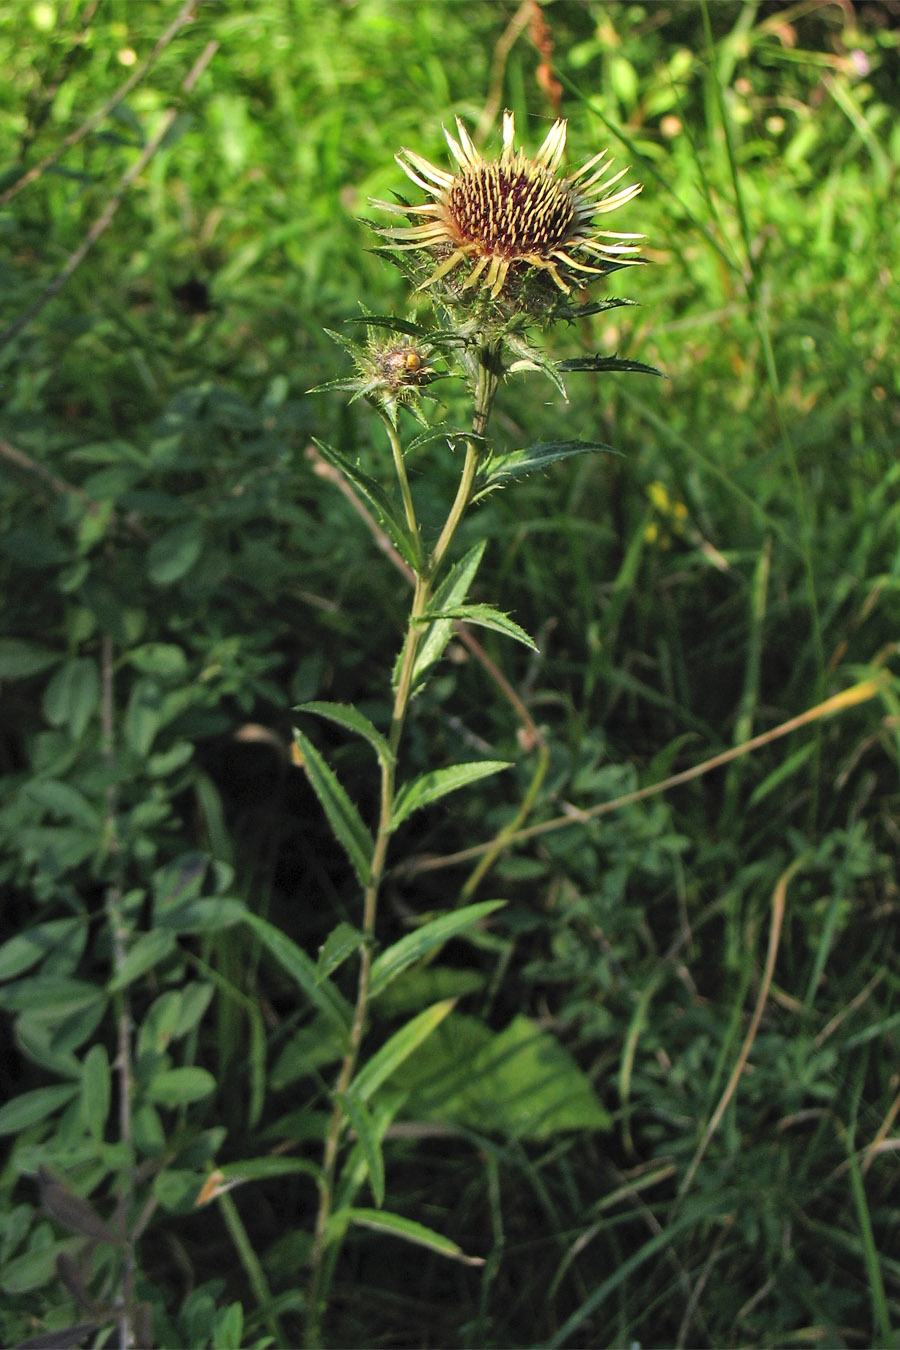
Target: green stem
column 485, row 387
column 400, row 469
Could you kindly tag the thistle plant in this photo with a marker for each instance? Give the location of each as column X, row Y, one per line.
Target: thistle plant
column 502, row 249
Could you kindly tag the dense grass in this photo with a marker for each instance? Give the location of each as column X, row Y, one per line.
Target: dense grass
column 717, row 960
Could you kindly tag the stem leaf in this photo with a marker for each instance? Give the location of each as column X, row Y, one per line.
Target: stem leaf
column 400, row 1046
column 452, row 591
column 430, row 787
column 377, row 498
column 303, row 971
column 414, row 946
column 345, row 715
column 485, row 616
column 499, row 470
column 343, row 816
column 338, row 947
column 383, row 1221
column 370, row 1143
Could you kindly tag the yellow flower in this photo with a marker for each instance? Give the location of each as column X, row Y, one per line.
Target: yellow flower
column 513, row 213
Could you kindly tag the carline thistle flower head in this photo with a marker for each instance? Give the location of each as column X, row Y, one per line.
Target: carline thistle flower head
column 509, row 214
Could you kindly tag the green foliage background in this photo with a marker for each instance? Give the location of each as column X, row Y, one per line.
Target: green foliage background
column 176, row 577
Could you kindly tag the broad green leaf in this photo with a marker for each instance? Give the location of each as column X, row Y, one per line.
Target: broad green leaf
column 63, row 801
column 383, row 1221
column 418, row 944
column 343, row 816
column 50, row 995
column 228, row 1332
column 72, row 695
column 345, row 715
column 204, row 916
column 485, row 616
column 400, row 1046
column 158, row 1027
column 96, row 1090
column 518, row 1082
column 72, row 1210
column 302, row 969
column 452, row 591
column 176, row 1087
column 19, row 658
column 369, row 1143
column 174, row 552
column 34, row 1269
column 30, row 1107
column 430, row 787
column 162, row 659
column 179, row 881
column 376, row 498
column 150, row 950
column 26, row 949
column 342, row 943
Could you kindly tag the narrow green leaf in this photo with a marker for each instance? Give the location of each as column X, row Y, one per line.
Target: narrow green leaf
column 345, row 715
column 342, row 943
column 383, row 1063
column 150, row 950
column 30, row 1107
column 143, row 715
column 383, row 1221
column 263, row 1169
column 72, row 695
column 430, row 787
column 415, row 946
column 303, row 970
column 452, row 591
column 600, row 363
column 375, row 496
column 343, row 816
column 485, row 616
column 96, row 1090
column 174, row 552
column 177, row 1087
column 369, row 1142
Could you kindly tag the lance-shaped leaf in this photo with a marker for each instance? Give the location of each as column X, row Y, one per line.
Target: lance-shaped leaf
column 485, row 616
column 376, row 497
column 345, row 715
column 400, row 1046
column 430, row 787
column 342, row 943
column 452, row 591
column 598, row 363
column 502, row 469
column 303, row 970
column 369, row 1142
column 343, row 816
column 383, row 1221
column 414, row 946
